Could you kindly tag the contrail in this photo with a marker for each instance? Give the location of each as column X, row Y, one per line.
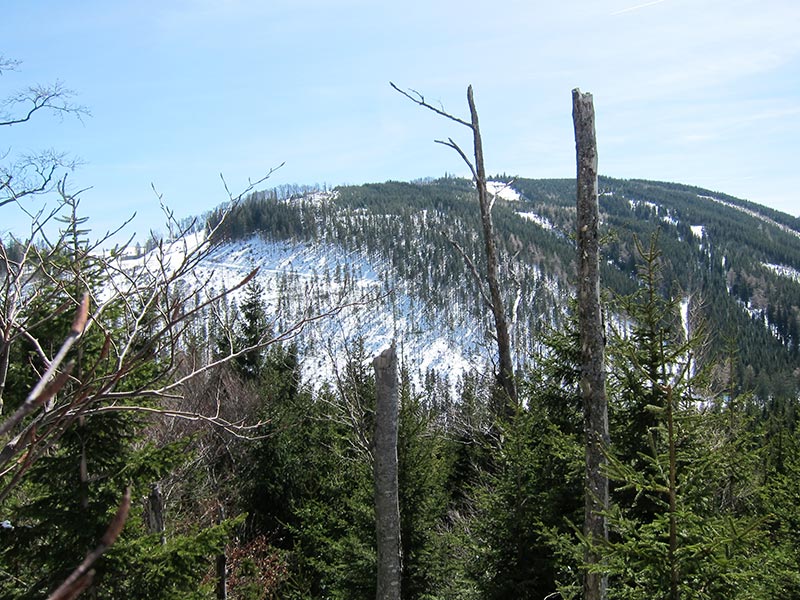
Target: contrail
column 637, row 7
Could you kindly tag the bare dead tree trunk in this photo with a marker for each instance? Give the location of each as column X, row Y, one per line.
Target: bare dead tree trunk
column 674, row 572
column 5, row 359
column 505, row 377
column 222, row 576
column 387, row 504
column 593, row 384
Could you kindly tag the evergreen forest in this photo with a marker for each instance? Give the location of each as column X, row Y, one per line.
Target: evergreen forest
column 245, row 481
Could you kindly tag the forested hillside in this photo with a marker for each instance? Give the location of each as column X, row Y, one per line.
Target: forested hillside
column 185, row 378
column 736, row 265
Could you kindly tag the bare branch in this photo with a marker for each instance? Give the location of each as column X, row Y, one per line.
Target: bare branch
column 236, row 429
column 289, row 333
column 419, row 99
column 505, row 376
column 7, row 64
column 152, row 296
column 451, row 144
column 32, row 174
column 251, row 185
column 43, row 391
column 54, row 98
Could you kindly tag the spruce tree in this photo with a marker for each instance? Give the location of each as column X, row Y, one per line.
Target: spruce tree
column 253, row 331
column 670, row 535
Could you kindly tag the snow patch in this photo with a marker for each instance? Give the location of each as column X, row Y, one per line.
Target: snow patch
column 784, row 271
column 634, row 204
column 684, row 307
column 543, row 222
column 503, row 191
column 301, row 280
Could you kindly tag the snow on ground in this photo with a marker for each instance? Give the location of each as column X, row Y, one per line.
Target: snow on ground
column 317, row 198
column 541, row 221
column 664, row 214
column 685, row 316
column 784, row 271
column 698, row 231
column 634, row 204
column 303, row 280
column 503, row 191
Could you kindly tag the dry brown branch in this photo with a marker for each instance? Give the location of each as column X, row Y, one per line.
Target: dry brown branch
column 86, row 400
column 239, row 430
column 43, row 391
column 152, row 298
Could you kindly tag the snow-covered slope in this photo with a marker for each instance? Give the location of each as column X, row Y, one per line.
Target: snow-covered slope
column 302, row 281
column 390, row 262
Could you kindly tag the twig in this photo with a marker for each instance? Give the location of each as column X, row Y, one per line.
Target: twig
column 43, row 391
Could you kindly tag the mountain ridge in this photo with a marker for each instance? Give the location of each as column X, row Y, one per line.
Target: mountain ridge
column 732, row 260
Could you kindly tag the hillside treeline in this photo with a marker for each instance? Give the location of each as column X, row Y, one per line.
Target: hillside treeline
column 417, row 229
column 247, row 483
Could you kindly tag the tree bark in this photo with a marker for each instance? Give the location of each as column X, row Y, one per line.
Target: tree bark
column 387, row 504
column 592, row 337
column 221, row 566
column 154, row 512
column 505, row 376
column 674, row 572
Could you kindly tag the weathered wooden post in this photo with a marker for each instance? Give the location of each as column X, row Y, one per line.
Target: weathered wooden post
column 387, row 503
column 592, row 339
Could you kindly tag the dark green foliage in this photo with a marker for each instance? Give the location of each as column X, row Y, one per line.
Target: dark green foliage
column 253, row 332
column 523, row 506
column 334, row 531
column 172, row 571
column 275, row 474
column 682, row 473
column 307, row 485
column 526, row 502
column 426, row 459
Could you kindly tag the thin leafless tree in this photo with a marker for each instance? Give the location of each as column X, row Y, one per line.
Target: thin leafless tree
column 494, row 297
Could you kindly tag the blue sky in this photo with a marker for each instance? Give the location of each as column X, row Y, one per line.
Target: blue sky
column 705, row 92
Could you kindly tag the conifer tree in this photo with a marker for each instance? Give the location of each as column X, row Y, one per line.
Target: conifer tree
column 253, row 331
column 671, row 536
